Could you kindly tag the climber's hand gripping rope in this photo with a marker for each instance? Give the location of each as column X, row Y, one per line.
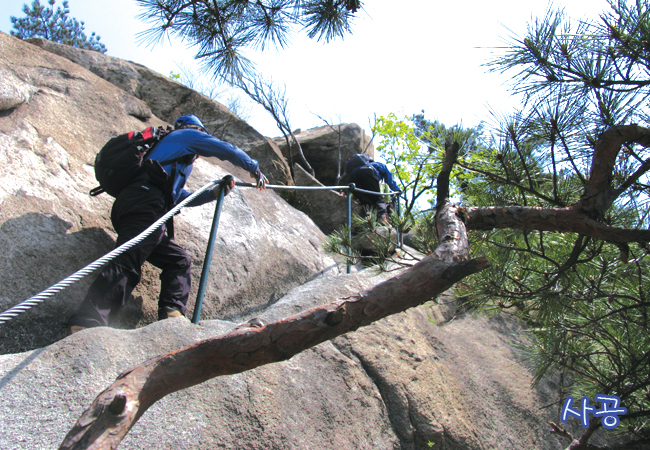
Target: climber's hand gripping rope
column 260, row 179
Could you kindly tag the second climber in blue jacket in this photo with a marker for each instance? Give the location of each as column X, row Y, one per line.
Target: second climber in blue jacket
column 144, row 201
column 367, row 175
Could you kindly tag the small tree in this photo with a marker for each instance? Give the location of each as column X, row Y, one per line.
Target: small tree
column 274, row 100
column 337, row 130
column 56, row 26
column 414, row 149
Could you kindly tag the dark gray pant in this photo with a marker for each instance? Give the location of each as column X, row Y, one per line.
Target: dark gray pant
column 366, row 178
column 134, row 210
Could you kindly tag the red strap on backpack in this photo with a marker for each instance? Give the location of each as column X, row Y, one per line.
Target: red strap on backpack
column 149, row 133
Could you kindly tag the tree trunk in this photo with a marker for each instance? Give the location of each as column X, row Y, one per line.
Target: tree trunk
column 600, row 194
column 304, row 162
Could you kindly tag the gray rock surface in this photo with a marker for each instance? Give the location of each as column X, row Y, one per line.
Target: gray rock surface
column 321, row 146
column 168, row 99
column 57, row 116
column 399, row 384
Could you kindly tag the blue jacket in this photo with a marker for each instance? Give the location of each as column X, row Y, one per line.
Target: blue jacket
column 189, row 141
column 383, row 174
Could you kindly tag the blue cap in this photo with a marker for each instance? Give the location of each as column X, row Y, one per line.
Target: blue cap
column 189, row 119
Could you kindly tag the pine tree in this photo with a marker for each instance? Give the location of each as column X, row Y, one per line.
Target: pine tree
column 223, row 29
column 56, row 26
column 571, row 148
column 584, row 85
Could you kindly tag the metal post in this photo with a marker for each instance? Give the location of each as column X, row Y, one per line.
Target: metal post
column 350, row 190
column 208, row 254
column 400, row 235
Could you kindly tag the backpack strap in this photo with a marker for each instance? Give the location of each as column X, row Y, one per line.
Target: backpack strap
column 185, row 159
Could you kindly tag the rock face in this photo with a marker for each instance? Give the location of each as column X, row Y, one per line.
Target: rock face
column 55, row 116
column 322, row 146
column 167, row 100
column 402, row 383
column 398, row 384
column 327, row 208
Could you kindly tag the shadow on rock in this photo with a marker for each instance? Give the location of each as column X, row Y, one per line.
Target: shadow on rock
column 38, row 252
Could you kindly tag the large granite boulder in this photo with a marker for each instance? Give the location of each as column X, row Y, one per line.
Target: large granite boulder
column 54, row 117
column 327, row 147
column 403, row 383
column 168, row 99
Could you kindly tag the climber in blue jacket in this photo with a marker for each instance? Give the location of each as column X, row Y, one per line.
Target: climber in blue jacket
column 189, row 141
column 366, row 174
column 149, row 197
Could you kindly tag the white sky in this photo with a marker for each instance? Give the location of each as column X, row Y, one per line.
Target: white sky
column 421, row 54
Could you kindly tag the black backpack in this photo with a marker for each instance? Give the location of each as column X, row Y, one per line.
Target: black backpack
column 121, row 159
column 356, row 161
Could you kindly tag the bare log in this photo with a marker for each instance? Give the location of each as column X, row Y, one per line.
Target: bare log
column 450, row 219
column 117, row 409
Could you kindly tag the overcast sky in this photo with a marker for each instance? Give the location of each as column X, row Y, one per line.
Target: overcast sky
column 420, row 55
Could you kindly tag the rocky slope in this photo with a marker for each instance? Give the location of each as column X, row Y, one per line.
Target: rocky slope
column 401, row 383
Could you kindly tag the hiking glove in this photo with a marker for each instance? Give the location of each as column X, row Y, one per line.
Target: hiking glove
column 261, row 180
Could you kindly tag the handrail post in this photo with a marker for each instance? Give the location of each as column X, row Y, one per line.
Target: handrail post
column 351, row 187
column 208, row 254
column 400, row 235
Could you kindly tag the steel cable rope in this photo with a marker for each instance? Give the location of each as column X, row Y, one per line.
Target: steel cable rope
column 317, row 188
column 43, row 295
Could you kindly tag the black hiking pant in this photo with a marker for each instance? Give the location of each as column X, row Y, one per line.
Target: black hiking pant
column 366, row 178
column 135, row 209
